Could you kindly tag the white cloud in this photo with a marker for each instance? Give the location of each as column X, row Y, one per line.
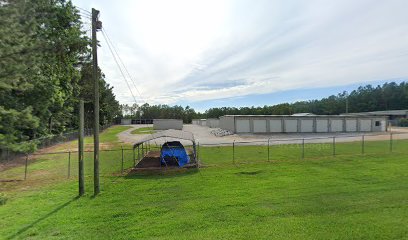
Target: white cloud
column 185, row 50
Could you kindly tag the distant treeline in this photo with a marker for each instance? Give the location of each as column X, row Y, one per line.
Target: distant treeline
column 389, row 96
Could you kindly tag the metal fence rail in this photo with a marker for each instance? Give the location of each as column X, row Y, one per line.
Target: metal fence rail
column 7, row 154
column 64, row 164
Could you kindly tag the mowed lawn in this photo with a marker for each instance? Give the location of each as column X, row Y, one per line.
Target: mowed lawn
column 349, row 196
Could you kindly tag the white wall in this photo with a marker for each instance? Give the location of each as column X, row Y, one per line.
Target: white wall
column 242, row 126
column 322, row 125
column 213, row 122
column 164, row 124
column 291, row 125
column 365, row 125
column 259, row 126
column 306, row 125
column 351, row 125
column 227, row 123
column 275, row 126
column 336, row 125
column 126, row 121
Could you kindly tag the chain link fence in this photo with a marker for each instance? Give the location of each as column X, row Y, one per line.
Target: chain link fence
column 7, row 154
column 48, row 166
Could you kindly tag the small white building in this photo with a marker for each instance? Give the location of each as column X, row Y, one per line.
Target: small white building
column 124, row 121
column 165, row 124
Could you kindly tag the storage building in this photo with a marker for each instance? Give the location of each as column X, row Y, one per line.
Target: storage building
column 302, row 124
column 165, row 124
column 213, row 122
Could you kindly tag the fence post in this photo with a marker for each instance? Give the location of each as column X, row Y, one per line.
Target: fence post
column 69, row 164
column 390, row 142
column 268, row 148
column 362, row 145
column 122, row 157
column 81, row 133
column 303, row 148
column 233, row 152
column 134, row 157
column 26, row 165
column 334, row 146
column 198, row 152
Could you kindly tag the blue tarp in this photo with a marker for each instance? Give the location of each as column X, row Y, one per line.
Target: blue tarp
column 174, row 151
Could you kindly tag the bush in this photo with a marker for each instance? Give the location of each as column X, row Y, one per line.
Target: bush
column 403, row 122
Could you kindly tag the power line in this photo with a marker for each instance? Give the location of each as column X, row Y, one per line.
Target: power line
column 84, row 10
column 124, row 66
column 120, row 69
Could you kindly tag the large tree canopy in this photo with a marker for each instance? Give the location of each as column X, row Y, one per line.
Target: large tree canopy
column 44, row 60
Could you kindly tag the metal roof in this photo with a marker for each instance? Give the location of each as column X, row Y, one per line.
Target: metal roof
column 310, row 116
column 171, row 133
column 303, row 114
column 387, row 112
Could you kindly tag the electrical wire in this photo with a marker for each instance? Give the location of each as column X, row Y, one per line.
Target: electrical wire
column 84, row 10
column 124, row 66
column 120, row 69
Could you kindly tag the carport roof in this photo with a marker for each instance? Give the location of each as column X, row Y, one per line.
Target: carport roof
column 171, row 133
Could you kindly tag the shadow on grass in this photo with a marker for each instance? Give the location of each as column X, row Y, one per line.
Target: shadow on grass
column 160, row 174
column 24, row 229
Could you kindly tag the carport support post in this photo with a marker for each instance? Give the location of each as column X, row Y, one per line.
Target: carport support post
column 81, row 149
column 334, row 146
column 268, row 149
column 362, row 145
column 303, row 148
column 138, row 152
column 390, row 142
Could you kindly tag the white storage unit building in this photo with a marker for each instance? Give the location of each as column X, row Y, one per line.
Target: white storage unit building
column 302, row 124
column 165, row 124
column 213, row 122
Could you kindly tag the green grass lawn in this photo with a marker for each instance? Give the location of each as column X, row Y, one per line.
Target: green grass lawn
column 349, row 196
column 143, row 130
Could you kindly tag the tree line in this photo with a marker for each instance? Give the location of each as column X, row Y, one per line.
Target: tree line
column 389, row 96
column 45, row 68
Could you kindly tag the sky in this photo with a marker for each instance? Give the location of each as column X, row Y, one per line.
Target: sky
column 212, row 53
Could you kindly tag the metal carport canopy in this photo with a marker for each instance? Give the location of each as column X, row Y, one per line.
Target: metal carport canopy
column 171, row 133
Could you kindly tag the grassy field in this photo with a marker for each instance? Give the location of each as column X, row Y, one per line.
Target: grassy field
column 319, row 197
column 143, row 130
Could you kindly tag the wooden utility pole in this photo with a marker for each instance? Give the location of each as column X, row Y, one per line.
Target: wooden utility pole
column 96, row 25
column 81, row 149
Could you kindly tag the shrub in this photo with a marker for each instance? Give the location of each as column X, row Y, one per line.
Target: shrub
column 403, row 122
